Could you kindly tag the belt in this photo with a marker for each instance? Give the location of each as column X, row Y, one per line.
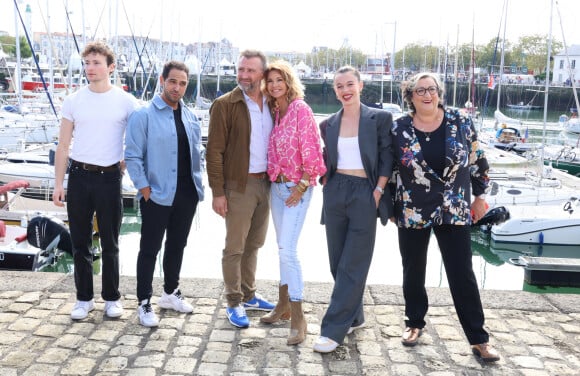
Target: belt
column 258, row 175
column 94, row 168
column 282, row 179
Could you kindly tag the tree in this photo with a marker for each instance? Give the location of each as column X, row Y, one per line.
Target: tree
column 416, row 57
column 532, row 51
column 489, row 56
column 9, row 46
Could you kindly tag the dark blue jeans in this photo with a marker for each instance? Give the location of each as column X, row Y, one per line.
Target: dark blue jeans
column 173, row 222
column 89, row 193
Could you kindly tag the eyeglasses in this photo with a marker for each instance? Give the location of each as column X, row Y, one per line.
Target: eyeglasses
column 422, row 90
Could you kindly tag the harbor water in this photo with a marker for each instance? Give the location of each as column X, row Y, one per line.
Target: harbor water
column 202, row 259
column 203, row 253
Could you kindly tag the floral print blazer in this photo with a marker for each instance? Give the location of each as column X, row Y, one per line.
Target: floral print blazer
column 423, row 198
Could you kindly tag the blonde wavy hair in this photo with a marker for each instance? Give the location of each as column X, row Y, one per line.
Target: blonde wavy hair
column 295, row 86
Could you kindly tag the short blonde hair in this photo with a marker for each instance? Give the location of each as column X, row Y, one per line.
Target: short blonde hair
column 409, row 86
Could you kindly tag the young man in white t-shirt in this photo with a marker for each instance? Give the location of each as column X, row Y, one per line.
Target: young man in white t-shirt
column 96, row 118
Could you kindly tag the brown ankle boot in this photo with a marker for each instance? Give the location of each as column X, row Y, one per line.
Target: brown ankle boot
column 282, row 309
column 297, row 324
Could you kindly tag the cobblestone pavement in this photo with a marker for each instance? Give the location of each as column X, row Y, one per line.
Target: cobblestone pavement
column 535, row 334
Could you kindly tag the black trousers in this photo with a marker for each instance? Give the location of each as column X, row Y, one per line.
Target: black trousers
column 173, row 222
column 350, row 217
column 88, row 193
column 455, row 245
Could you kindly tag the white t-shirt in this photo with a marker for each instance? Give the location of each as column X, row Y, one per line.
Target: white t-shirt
column 99, row 121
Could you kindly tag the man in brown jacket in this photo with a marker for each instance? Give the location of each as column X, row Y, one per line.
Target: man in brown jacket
column 239, row 127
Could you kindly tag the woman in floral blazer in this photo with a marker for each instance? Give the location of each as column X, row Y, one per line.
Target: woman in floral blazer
column 439, row 164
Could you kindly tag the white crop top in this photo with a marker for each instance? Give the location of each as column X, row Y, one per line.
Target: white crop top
column 349, row 154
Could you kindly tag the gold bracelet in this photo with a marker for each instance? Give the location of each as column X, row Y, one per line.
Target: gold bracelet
column 301, row 188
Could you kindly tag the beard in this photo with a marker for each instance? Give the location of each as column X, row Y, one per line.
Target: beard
column 246, row 87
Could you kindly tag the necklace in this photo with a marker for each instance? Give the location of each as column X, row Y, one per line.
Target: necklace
column 428, row 134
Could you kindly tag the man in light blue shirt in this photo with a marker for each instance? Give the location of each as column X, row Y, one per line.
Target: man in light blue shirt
column 163, row 157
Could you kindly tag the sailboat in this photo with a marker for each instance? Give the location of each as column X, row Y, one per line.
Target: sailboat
column 545, row 227
column 201, row 105
column 508, row 136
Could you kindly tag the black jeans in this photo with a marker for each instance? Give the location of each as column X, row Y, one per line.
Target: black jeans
column 156, row 221
column 89, row 193
column 455, row 245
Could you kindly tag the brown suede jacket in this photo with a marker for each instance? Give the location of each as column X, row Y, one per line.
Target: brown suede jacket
column 228, row 143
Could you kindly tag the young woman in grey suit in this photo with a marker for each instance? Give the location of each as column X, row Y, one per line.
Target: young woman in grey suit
column 359, row 160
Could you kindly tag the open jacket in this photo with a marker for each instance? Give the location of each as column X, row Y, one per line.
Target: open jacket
column 375, row 150
column 423, row 198
column 151, row 150
column 228, row 143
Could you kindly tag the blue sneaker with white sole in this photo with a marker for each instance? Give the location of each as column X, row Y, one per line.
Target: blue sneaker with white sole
column 258, row 304
column 237, row 316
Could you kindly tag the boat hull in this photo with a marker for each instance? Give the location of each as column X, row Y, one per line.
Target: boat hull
column 538, row 231
column 572, row 168
column 41, row 179
column 21, row 255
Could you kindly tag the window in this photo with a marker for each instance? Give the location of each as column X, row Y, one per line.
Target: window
column 562, row 64
column 573, row 64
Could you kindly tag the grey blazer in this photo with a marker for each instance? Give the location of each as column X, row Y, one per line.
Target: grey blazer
column 375, row 148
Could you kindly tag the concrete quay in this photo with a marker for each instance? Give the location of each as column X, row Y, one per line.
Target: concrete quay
column 536, row 334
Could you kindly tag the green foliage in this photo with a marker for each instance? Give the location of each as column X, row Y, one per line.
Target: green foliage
column 9, row 47
column 529, row 51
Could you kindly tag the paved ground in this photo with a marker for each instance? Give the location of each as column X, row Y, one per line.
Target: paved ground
column 536, row 335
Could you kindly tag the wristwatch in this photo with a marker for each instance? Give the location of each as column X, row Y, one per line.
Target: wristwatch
column 381, row 190
column 305, row 182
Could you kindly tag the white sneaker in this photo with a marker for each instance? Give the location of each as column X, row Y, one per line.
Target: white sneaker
column 175, row 302
column 324, row 345
column 81, row 309
column 114, row 308
column 353, row 328
column 147, row 317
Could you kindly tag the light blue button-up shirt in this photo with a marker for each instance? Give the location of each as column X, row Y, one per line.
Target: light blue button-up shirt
column 151, row 150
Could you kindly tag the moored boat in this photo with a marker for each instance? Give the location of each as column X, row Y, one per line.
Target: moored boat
column 34, row 246
column 41, row 181
column 555, row 231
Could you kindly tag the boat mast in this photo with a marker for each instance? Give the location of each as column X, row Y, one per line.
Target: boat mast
column 455, row 67
column 17, row 80
column 547, row 84
column 471, row 87
column 219, row 66
column 505, row 4
column 49, row 53
column 392, row 59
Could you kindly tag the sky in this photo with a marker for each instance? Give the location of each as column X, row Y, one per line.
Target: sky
column 376, row 27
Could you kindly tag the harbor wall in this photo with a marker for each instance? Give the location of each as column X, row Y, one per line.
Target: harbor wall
column 320, row 91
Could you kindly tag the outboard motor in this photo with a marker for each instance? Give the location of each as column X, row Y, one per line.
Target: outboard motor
column 48, row 234
column 494, row 216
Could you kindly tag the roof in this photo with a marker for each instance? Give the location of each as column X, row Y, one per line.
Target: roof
column 573, row 50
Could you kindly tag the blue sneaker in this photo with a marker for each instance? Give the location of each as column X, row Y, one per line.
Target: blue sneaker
column 258, row 304
column 237, row 316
